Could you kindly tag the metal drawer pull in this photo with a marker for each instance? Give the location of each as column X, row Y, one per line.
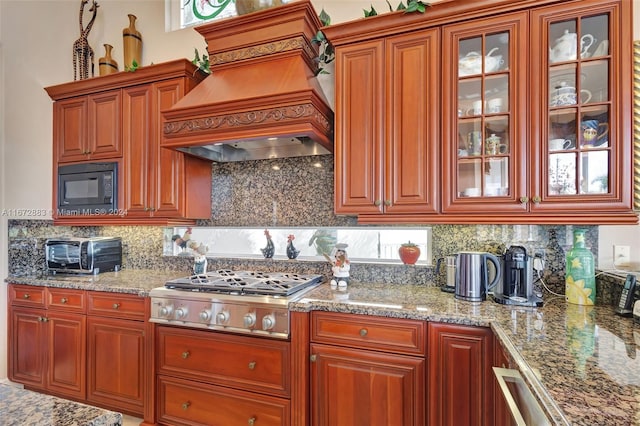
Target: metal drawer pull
column 26, row 296
column 363, row 332
column 43, row 319
column 63, row 300
column 185, row 405
column 185, row 354
column 252, row 421
column 116, row 305
column 252, row 365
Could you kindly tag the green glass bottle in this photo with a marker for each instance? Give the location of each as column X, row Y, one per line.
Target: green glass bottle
column 580, row 277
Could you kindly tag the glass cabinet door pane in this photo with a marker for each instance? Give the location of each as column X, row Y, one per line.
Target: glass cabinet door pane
column 562, row 174
column 594, row 172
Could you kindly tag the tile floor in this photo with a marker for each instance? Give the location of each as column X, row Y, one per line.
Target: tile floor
column 130, row 421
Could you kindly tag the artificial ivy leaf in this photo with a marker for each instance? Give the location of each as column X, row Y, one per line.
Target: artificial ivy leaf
column 416, row 6
column 324, row 18
column 319, row 37
column 368, row 13
column 401, row 6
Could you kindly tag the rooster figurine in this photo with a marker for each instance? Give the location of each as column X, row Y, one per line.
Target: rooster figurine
column 183, row 241
column 292, row 252
column 268, row 251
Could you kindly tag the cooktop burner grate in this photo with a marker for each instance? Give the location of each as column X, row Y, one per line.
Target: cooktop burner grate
column 245, row 282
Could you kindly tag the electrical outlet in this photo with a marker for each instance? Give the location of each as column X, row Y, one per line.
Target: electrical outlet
column 539, row 259
column 621, row 255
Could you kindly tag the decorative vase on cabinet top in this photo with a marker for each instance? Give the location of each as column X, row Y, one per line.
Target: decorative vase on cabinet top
column 132, row 41
column 580, row 277
column 106, row 64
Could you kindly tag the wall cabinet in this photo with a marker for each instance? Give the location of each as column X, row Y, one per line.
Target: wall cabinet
column 461, row 379
column 366, row 370
column 533, row 125
column 47, row 340
column 384, row 161
column 204, row 377
column 88, row 127
column 117, row 118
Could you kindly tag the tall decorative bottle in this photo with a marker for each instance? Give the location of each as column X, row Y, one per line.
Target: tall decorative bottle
column 106, row 64
column 580, row 277
column 132, row 41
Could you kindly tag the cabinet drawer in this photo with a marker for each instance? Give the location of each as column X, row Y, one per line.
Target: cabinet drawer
column 67, row 299
column 26, row 295
column 117, row 305
column 182, row 402
column 243, row 362
column 385, row 334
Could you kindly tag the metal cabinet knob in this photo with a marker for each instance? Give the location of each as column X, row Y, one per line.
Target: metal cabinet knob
column 313, row 358
column 26, row 296
column 387, row 203
column 363, row 332
column 252, row 421
column 185, row 405
column 43, row 319
column 185, row 354
column 116, row 305
column 377, row 203
column 252, row 365
column 524, row 200
column 64, row 300
column 536, row 199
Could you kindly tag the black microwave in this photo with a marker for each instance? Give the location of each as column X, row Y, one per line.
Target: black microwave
column 88, row 189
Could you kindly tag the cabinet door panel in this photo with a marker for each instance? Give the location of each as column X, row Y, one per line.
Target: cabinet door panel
column 105, row 125
column 582, row 96
column 460, row 374
column 70, row 129
column 355, row 387
column 27, row 338
column 485, row 149
column 358, row 151
column 170, row 164
column 117, row 361
column 137, row 122
column 67, row 354
column 411, row 155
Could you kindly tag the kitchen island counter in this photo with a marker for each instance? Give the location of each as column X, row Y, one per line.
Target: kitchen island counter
column 22, row 407
column 581, row 362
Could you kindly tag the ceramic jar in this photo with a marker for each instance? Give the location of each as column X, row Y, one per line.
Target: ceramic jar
column 106, row 64
column 132, row 42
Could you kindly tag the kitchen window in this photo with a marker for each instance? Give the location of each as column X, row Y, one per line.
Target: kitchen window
column 364, row 244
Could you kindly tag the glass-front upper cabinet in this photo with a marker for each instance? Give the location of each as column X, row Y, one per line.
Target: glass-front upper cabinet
column 581, row 146
column 483, row 145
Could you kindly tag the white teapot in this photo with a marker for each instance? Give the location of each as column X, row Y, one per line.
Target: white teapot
column 566, row 47
column 472, row 63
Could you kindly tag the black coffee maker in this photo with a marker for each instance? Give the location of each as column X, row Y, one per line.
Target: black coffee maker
column 516, row 287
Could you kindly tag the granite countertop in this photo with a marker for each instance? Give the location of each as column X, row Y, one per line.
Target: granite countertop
column 132, row 281
column 582, row 363
column 21, row 407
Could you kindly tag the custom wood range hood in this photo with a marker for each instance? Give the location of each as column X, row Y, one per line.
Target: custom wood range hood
column 262, row 99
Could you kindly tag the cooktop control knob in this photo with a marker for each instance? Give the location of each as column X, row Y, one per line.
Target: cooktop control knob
column 249, row 319
column 222, row 317
column 166, row 311
column 268, row 322
column 181, row 313
column 205, row 315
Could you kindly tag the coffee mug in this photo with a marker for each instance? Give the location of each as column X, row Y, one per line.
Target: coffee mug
column 492, row 145
column 593, row 133
column 558, row 144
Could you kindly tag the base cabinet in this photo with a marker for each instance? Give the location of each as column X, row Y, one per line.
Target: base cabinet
column 118, row 365
column 47, row 340
column 366, row 371
column 460, row 375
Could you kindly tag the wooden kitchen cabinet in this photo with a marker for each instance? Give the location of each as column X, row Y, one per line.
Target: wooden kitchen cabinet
column 205, row 376
column 384, row 161
column 501, row 83
column 47, row 340
column 367, row 370
column 119, row 367
column 461, row 383
column 88, row 127
column 122, row 110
